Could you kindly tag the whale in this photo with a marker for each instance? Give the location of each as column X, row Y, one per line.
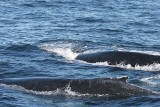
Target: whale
column 120, row 57
column 111, row 88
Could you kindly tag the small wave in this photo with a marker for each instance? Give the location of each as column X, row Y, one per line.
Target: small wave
column 38, row 3
column 21, row 47
column 110, row 30
column 153, row 80
column 90, row 19
column 3, row 63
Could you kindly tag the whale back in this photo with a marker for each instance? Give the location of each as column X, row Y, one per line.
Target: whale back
column 118, row 57
column 112, row 87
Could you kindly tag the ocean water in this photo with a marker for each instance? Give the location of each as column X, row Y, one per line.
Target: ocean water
column 41, row 38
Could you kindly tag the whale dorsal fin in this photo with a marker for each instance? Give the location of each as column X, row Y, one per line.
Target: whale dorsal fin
column 123, row 79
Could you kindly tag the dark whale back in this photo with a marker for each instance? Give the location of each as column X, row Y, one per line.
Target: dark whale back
column 117, row 57
column 114, row 88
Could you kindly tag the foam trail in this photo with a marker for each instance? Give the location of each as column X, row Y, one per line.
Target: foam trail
column 63, row 50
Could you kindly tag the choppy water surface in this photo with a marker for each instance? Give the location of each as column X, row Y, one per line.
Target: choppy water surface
column 41, row 38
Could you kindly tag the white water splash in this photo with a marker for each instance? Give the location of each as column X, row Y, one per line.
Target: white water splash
column 61, row 50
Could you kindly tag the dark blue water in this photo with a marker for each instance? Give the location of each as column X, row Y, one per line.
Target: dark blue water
column 41, row 38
